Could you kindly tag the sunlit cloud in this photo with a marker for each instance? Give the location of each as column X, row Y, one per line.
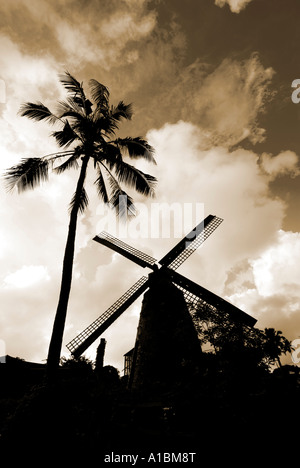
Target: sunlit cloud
column 277, row 271
column 271, row 291
column 285, row 162
column 235, row 5
column 27, row 276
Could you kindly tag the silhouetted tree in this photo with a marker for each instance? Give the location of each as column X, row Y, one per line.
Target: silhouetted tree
column 231, row 339
column 76, row 362
column 89, row 128
column 217, row 329
column 275, row 344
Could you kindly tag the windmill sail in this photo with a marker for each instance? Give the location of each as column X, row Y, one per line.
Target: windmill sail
column 126, row 250
column 190, row 242
column 193, row 292
column 82, row 341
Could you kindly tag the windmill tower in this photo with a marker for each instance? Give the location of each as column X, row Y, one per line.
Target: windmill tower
column 167, row 349
column 166, row 339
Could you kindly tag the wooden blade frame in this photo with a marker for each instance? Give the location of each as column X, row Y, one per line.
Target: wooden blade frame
column 190, row 242
column 126, row 250
column 82, row 341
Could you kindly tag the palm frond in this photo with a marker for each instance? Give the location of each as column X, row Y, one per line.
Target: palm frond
column 82, row 200
column 99, row 93
column 104, row 122
column 71, row 84
column 68, row 164
column 101, row 187
column 136, row 148
column 85, row 131
column 107, row 122
column 63, row 108
column 53, row 157
column 121, row 111
column 66, row 136
column 123, row 205
column 29, row 173
column 133, row 177
column 120, row 200
column 74, row 108
column 74, row 88
column 37, row 111
column 109, row 154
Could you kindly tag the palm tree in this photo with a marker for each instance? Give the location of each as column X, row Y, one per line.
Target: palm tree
column 275, row 344
column 88, row 128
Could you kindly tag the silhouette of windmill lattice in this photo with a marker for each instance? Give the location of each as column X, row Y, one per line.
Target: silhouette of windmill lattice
column 193, row 293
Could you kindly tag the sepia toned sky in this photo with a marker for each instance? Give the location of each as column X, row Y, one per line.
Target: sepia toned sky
column 210, row 82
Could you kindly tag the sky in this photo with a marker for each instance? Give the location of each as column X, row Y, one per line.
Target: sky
column 211, row 87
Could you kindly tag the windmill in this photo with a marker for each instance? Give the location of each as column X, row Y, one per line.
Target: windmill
column 165, row 268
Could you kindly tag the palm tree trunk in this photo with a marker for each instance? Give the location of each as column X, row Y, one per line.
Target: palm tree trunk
column 67, row 270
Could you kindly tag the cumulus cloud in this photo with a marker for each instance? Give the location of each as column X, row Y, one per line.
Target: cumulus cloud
column 27, row 276
column 235, row 5
column 252, row 215
column 271, row 292
column 36, row 76
column 285, row 162
column 277, row 269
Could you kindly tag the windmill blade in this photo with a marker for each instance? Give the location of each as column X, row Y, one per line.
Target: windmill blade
column 126, row 250
column 190, row 242
column 82, row 341
column 194, row 292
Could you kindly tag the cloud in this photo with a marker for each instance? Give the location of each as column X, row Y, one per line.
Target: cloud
column 251, row 213
column 271, row 292
column 276, row 271
column 36, row 77
column 225, row 102
column 122, row 27
column 27, row 276
column 36, row 73
column 235, row 5
column 284, row 163
column 89, row 34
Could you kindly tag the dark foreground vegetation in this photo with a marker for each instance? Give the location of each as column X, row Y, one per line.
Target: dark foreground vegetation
column 231, row 408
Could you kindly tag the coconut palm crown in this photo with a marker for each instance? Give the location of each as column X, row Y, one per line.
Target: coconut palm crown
column 87, row 133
